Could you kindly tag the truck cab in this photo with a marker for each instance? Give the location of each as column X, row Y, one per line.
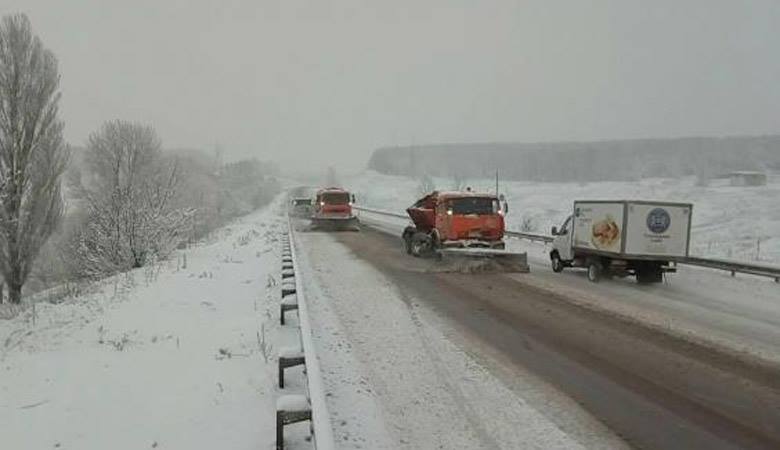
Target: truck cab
column 333, row 202
column 456, row 219
column 332, row 209
column 562, row 243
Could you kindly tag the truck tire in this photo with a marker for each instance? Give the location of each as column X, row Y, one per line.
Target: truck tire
column 594, row 271
column 557, row 264
column 421, row 244
column 416, row 248
column 407, row 244
column 435, row 241
column 407, row 238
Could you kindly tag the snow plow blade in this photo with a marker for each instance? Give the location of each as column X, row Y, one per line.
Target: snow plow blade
column 475, row 260
column 335, row 223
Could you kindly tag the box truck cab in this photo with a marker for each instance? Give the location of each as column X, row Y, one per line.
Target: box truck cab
column 623, row 238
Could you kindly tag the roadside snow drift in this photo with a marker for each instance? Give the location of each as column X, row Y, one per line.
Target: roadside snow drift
column 177, row 356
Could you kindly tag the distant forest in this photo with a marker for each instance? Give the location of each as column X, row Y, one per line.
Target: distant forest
column 584, row 161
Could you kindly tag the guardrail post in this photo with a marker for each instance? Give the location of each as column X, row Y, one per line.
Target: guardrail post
column 310, row 405
column 289, row 303
column 290, row 409
column 289, row 357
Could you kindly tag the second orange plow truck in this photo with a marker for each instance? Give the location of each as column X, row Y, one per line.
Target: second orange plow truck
column 463, row 227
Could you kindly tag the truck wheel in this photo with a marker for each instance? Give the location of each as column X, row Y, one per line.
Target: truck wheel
column 421, row 244
column 407, row 244
column 416, row 248
column 407, row 237
column 557, row 264
column 594, row 272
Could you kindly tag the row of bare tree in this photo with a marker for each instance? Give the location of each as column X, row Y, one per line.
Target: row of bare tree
column 128, row 196
column 129, row 203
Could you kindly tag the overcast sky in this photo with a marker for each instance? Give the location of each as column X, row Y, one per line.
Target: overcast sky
column 318, row 82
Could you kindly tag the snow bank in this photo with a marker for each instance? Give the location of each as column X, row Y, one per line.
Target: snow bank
column 163, row 357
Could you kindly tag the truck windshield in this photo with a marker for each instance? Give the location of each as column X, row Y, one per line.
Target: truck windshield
column 337, row 198
column 474, row 205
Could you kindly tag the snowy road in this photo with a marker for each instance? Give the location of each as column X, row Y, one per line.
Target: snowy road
column 585, row 340
column 399, row 377
column 741, row 314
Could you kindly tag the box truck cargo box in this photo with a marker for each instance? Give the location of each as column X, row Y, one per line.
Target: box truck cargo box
column 622, row 237
column 633, row 228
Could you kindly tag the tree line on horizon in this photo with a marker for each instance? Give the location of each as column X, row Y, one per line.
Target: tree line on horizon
column 619, row 160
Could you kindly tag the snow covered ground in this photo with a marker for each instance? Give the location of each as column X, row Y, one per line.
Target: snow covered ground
column 741, row 223
column 165, row 357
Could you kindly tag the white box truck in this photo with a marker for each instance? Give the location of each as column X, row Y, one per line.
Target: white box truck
column 622, row 238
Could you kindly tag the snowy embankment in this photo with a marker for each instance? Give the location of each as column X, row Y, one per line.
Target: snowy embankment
column 179, row 355
column 740, row 223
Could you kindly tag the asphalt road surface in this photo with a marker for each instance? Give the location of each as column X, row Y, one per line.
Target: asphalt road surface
column 654, row 389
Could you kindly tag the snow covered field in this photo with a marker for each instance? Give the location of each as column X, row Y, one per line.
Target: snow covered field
column 163, row 357
column 740, row 223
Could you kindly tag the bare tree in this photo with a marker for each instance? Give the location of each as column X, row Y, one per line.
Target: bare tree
column 130, row 191
column 458, row 182
column 426, row 185
column 32, row 153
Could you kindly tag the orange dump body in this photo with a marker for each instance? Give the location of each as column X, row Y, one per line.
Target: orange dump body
column 459, row 216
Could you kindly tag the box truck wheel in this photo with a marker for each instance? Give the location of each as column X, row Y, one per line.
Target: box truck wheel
column 557, row 264
column 594, row 271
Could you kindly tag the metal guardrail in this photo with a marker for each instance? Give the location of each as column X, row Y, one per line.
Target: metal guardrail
column 321, row 427
column 381, row 212
column 529, row 236
column 734, row 267
column 762, row 270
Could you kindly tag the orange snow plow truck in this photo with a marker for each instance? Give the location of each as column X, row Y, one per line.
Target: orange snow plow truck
column 462, row 226
column 333, row 210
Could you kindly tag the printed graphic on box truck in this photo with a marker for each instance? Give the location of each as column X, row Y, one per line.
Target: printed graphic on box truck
column 597, row 226
column 657, row 229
